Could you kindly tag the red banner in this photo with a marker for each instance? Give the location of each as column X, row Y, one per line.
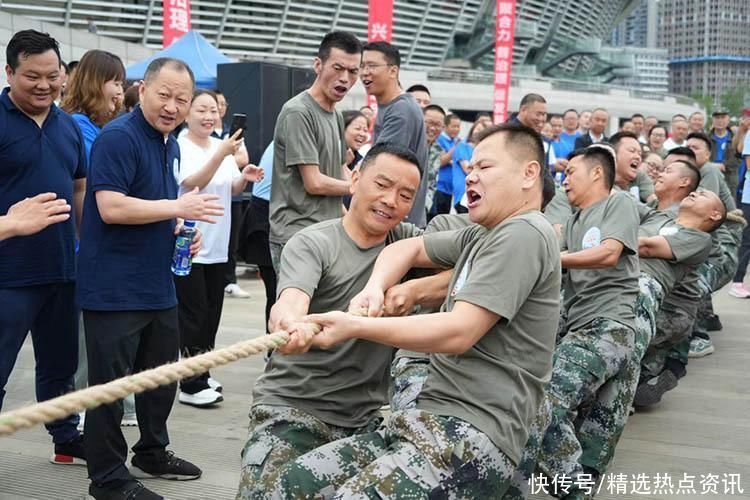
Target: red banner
column 176, row 20
column 379, row 29
column 505, row 23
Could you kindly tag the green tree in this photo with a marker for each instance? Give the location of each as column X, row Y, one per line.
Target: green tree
column 734, row 100
column 706, row 101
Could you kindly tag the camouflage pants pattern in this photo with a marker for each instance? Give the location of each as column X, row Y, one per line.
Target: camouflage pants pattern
column 601, row 429
column 417, row 455
column 674, row 325
column 277, row 436
column 583, row 362
column 409, row 376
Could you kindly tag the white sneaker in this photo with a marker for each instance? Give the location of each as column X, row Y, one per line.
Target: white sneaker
column 738, row 290
column 234, row 290
column 129, row 421
column 202, row 399
column 215, row 384
column 81, row 421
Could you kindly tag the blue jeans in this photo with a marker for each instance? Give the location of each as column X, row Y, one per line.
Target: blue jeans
column 49, row 312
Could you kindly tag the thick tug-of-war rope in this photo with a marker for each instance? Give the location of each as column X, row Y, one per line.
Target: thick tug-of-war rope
column 86, row 399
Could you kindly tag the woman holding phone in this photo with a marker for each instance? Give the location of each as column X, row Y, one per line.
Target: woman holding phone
column 209, row 165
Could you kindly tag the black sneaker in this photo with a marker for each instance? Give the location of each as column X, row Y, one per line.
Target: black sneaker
column 70, row 453
column 649, row 393
column 129, row 490
column 167, row 466
column 713, row 323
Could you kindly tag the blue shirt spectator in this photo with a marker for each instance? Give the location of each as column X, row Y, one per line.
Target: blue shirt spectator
column 463, row 152
column 89, row 130
column 35, row 160
column 721, row 145
column 126, row 268
column 445, row 180
column 262, row 189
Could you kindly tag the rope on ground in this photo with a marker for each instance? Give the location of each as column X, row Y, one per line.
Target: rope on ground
column 86, row 399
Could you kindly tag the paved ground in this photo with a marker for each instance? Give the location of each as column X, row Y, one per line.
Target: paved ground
column 701, row 428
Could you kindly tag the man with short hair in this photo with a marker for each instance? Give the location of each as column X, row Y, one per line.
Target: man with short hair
column 570, row 128
column 723, row 154
column 310, row 178
column 42, row 151
column 463, row 437
column 680, row 130
column 434, row 121
column 400, row 119
column 448, row 141
column 639, row 123
column 697, row 122
column 628, row 176
column 421, row 94
column 560, row 148
column 532, row 113
column 599, row 121
column 307, row 400
column 125, row 285
column 649, row 123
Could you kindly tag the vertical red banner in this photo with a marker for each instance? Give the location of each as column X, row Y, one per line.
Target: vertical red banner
column 505, row 24
column 176, row 20
column 379, row 29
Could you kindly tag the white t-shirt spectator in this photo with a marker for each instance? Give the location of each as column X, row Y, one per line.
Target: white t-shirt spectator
column 215, row 245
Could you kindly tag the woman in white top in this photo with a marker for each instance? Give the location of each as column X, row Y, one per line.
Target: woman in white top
column 209, row 164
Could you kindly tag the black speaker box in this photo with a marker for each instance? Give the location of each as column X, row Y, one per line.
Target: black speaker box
column 259, row 90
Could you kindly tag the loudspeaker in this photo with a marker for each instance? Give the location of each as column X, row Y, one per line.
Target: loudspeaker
column 260, row 89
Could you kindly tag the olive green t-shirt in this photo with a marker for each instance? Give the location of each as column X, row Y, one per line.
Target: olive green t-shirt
column 442, row 222
column 686, row 293
column 690, row 248
column 305, row 134
column 512, row 270
column 558, row 210
column 347, row 384
column 603, row 293
column 712, row 179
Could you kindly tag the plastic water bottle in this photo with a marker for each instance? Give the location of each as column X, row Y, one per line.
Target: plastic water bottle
column 181, row 260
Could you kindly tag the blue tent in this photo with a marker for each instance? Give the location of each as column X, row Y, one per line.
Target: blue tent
column 201, row 56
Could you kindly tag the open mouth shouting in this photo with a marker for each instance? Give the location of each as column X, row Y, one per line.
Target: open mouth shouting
column 474, row 197
column 340, row 91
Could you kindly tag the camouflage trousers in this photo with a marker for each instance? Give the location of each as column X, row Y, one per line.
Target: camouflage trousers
column 601, row 428
column 277, row 436
column 674, row 325
column 417, row 455
column 584, row 361
column 408, row 375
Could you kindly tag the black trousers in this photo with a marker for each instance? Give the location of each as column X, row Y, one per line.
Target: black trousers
column 201, row 298
column 234, row 233
column 268, row 275
column 441, row 204
column 744, row 256
column 118, row 343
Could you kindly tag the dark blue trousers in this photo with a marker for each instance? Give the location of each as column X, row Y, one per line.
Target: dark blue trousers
column 49, row 313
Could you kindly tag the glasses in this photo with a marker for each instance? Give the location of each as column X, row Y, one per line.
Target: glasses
column 371, row 67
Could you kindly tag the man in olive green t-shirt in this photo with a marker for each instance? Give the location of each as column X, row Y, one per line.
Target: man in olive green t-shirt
column 496, row 329
column 327, row 394
column 309, row 178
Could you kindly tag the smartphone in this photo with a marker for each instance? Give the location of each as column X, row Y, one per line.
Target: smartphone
column 238, row 122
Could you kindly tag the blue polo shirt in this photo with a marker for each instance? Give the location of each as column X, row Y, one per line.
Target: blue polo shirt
column 127, row 267
column 463, row 151
column 89, row 129
column 565, row 144
column 37, row 160
column 721, row 146
column 445, row 174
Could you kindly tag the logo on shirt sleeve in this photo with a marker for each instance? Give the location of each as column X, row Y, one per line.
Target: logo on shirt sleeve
column 592, row 238
column 461, row 280
column 669, row 231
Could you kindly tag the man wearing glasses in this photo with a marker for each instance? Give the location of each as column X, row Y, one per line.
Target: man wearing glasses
column 400, row 120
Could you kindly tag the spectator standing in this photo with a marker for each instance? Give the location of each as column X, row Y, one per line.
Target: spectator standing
column 42, row 151
column 447, row 141
column 209, row 165
column 421, row 94
column 355, row 136
column 561, row 148
column 680, row 130
column 696, row 122
column 657, row 136
column 125, row 286
column 93, row 99
column 569, row 133
column 434, row 121
column 649, row 123
column 309, row 175
column 461, row 160
column 595, row 135
column 737, row 288
column 723, row 152
column 400, row 119
column 254, row 233
column 130, row 98
column 584, row 122
column 533, row 113
column 639, row 124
